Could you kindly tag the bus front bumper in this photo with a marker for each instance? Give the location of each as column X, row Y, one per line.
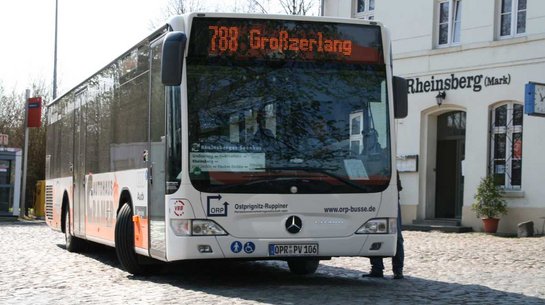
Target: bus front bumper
column 230, row 247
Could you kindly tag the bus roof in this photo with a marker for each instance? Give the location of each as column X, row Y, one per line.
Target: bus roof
column 178, row 23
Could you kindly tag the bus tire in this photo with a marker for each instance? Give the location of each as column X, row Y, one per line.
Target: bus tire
column 303, row 266
column 73, row 243
column 124, row 242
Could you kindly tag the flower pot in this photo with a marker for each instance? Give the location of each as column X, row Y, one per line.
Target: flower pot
column 490, row 225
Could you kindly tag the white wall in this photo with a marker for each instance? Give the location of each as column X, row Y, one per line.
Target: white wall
column 338, row 8
column 412, row 23
column 535, row 18
column 478, row 19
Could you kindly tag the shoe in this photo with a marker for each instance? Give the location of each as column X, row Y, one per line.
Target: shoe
column 373, row 274
column 398, row 276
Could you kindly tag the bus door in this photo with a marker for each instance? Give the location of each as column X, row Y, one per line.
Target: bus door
column 79, row 163
column 156, row 155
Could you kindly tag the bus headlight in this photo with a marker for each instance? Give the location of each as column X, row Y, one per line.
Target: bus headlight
column 207, row 227
column 378, row 226
column 188, row 227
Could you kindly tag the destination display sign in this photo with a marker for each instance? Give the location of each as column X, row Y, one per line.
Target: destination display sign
column 280, row 39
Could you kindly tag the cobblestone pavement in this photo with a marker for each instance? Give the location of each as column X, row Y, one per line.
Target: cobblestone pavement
column 471, row 268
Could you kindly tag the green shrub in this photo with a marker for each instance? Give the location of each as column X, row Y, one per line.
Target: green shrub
column 488, row 200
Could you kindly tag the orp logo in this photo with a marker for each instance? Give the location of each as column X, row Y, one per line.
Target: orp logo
column 215, row 207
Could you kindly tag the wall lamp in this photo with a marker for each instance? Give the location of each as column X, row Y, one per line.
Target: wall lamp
column 440, row 97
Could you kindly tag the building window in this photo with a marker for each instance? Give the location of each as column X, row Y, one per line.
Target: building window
column 506, row 145
column 365, row 9
column 449, row 22
column 356, row 138
column 512, row 17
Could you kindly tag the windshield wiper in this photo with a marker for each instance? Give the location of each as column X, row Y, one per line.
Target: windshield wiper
column 251, row 183
column 321, row 171
column 265, row 180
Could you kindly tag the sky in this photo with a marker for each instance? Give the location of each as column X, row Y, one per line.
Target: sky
column 91, row 33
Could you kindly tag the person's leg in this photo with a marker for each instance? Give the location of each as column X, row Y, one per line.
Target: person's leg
column 397, row 260
column 377, row 267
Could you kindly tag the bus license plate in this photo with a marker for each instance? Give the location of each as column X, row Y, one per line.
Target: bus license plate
column 293, row 249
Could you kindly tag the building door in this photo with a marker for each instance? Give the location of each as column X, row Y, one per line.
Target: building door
column 6, row 187
column 79, row 163
column 156, row 157
column 449, row 183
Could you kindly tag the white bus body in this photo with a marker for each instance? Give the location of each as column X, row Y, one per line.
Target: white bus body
column 177, row 171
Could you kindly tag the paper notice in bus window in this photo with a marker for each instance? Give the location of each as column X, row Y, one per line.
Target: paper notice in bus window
column 355, row 169
column 227, row 162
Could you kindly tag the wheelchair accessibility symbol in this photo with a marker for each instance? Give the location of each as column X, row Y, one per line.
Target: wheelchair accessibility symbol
column 249, row 247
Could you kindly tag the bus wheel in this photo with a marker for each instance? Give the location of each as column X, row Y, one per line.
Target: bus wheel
column 303, row 266
column 73, row 244
column 124, row 241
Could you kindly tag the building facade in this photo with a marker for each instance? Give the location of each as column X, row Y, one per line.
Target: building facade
column 467, row 64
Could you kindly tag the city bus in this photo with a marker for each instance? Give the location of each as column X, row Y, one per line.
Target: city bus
column 232, row 136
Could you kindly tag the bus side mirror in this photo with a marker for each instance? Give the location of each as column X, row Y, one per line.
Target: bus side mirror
column 172, row 60
column 400, row 97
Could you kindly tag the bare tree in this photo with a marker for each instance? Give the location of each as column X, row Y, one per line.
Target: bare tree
column 256, row 6
column 179, row 7
column 12, row 113
column 297, row 7
column 12, row 116
column 174, row 8
column 291, row 7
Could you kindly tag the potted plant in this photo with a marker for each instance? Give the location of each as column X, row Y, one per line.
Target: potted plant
column 489, row 204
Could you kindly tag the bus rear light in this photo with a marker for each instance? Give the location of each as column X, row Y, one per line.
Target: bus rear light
column 378, row 226
column 187, row 227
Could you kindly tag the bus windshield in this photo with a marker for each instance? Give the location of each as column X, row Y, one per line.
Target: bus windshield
column 266, row 116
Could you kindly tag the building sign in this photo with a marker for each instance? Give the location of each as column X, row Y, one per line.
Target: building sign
column 226, row 162
column 34, row 112
column 453, row 82
column 407, row 163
